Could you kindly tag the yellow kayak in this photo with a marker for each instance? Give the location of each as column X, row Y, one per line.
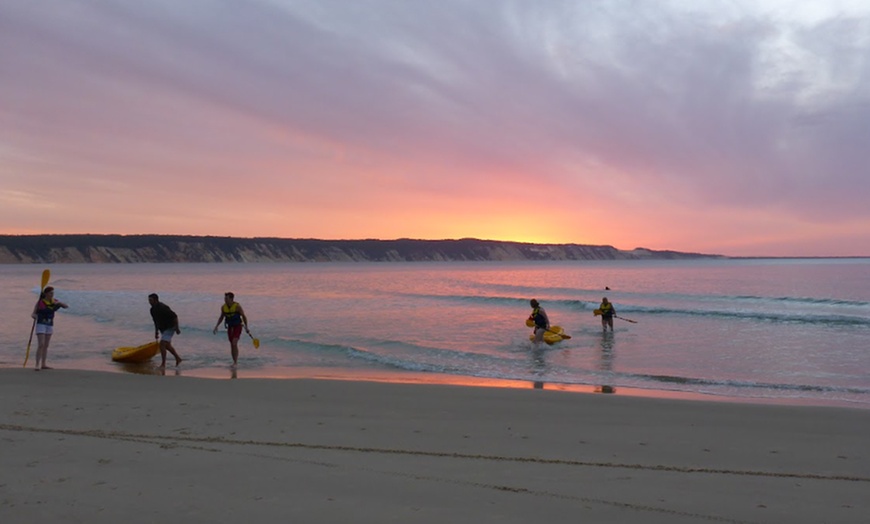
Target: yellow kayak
column 553, row 335
column 141, row 353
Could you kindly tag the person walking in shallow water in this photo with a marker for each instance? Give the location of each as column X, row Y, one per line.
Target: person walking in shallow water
column 234, row 318
column 607, row 312
column 165, row 325
column 43, row 313
column 540, row 319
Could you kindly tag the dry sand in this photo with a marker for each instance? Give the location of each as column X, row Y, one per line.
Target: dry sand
column 81, row 446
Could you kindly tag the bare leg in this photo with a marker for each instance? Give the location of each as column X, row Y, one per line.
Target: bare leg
column 42, row 350
column 539, row 336
column 162, row 354
column 234, row 350
column 174, row 354
column 40, row 343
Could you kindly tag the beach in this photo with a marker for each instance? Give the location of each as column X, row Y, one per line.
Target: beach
column 86, row 446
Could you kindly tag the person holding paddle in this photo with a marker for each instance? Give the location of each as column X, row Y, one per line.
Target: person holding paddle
column 607, row 314
column 233, row 317
column 165, row 325
column 542, row 322
column 43, row 313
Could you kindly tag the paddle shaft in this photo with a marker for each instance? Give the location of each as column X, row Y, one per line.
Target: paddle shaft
column 626, row 319
column 29, row 341
column 563, row 335
column 46, row 275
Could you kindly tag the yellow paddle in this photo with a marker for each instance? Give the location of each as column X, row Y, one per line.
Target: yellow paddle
column 531, row 323
column 563, row 335
column 46, row 275
column 597, row 312
column 256, row 341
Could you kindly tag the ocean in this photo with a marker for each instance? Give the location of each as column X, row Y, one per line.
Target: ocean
column 786, row 331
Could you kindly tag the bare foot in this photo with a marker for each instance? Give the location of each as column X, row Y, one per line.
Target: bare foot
column 178, row 361
column 162, row 366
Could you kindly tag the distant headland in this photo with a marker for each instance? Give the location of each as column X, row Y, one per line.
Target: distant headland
column 59, row 249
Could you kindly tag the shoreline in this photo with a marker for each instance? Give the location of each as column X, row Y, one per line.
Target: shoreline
column 419, row 378
column 94, row 446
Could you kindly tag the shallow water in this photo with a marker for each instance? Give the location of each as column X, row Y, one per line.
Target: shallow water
column 789, row 331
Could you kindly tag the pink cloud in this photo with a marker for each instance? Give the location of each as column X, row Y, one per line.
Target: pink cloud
column 626, row 124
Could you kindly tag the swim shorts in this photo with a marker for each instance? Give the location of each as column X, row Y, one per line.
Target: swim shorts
column 234, row 332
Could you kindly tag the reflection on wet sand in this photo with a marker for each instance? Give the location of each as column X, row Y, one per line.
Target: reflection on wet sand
column 174, row 371
column 538, row 365
column 606, row 344
column 142, row 368
column 148, row 368
column 606, row 363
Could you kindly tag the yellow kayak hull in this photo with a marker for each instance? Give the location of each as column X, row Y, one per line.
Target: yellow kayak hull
column 555, row 334
column 141, row 353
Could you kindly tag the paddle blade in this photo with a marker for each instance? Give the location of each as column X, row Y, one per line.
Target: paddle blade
column 256, row 343
column 46, row 276
column 565, row 337
column 596, row 312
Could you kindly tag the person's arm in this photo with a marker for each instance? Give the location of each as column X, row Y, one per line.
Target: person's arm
column 175, row 320
column 220, row 319
column 244, row 319
column 546, row 318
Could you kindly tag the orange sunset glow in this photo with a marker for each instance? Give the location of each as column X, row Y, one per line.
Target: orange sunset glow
column 717, row 128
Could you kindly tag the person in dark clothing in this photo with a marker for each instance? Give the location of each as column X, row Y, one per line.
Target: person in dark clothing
column 165, row 325
column 43, row 314
column 540, row 320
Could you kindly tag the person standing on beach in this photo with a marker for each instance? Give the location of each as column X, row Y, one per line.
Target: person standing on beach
column 43, row 313
column 233, row 317
column 165, row 325
column 540, row 319
column 607, row 312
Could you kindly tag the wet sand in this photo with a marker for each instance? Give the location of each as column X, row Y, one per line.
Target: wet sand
column 84, row 446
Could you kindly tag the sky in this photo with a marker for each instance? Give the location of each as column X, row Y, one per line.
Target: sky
column 736, row 127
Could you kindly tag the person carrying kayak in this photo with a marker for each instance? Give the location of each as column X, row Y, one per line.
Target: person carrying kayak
column 607, row 313
column 540, row 319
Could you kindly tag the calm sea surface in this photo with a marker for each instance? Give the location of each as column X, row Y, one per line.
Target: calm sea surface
column 783, row 331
